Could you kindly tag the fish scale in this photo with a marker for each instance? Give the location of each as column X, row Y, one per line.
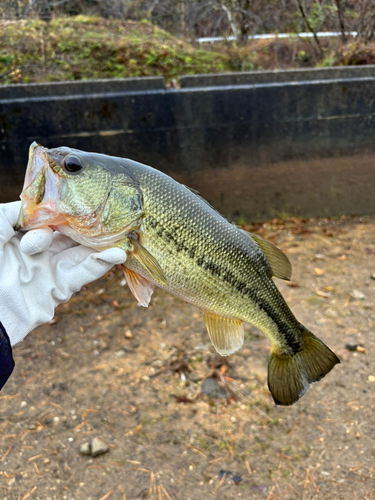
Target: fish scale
column 214, row 239
column 174, row 239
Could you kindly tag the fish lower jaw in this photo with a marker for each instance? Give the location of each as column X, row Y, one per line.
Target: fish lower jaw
column 34, row 216
column 100, row 242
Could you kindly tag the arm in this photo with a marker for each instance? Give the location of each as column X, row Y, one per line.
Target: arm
column 6, row 358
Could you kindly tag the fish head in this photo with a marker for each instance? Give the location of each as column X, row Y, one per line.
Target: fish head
column 92, row 200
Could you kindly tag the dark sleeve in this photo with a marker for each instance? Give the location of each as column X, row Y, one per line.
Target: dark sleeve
column 6, row 357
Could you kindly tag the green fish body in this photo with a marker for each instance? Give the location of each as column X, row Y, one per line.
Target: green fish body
column 174, row 239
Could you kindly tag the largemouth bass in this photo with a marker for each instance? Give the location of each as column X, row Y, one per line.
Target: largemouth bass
column 174, row 239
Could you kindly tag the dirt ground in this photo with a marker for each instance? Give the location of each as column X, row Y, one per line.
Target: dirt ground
column 182, row 423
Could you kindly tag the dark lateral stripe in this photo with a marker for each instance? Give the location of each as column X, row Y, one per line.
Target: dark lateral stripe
column 254, row 296
column 227, row 276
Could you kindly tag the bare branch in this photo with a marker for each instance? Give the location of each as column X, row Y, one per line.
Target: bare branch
column 230, row 18
column 309, row 25
column 341, row 19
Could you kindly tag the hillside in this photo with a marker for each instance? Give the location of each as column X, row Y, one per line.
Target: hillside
column 82, row 48
column 87, row 48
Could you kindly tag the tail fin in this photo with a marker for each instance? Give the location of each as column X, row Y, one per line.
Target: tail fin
column 289, row 376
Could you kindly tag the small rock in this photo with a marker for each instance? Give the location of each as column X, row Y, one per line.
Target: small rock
column 331, row 313
column 85, row 449
column 357, row 295
column 162, row 324
column 128, row 334
column 202, row 347
column 236, row 478
column 212, row 388
column 351, row 347
column 373, row 276
column 120, row 353
column 98, row 447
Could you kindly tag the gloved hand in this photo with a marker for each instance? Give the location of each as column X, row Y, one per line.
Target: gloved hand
column 40, row 270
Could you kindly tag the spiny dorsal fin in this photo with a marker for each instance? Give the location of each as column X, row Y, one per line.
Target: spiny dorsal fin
column 226, row 334
column 279, row 262
column 149, row 262
column 194, row 191
column 139, row 286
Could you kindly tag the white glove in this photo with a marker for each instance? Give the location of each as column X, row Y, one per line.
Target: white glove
column 41, row 270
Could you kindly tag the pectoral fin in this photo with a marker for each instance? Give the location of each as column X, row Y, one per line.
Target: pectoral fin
column 279, row 262
column 149, row 262
column 226, row 334
column 139, row 286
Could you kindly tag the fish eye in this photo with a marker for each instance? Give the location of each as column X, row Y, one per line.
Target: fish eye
column 72, row 164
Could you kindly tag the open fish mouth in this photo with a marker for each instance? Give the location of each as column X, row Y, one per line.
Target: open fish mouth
column 40, row 192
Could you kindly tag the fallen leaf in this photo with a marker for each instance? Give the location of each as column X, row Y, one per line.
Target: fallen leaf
column 292, row 285
column 183, row 399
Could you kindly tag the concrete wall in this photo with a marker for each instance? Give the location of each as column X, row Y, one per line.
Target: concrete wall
column 290, row 75
column 253, row 144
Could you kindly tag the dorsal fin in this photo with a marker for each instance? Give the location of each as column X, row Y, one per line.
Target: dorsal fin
column 279, row 262
column 226, row 334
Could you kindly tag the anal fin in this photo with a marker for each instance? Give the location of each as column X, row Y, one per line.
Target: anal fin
column 149, row 262
column 226, row 334
column 139, row 286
